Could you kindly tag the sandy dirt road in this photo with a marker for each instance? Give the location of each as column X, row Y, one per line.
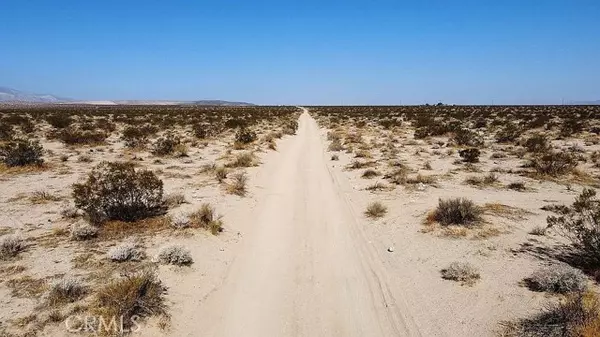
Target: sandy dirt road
column 304, row 269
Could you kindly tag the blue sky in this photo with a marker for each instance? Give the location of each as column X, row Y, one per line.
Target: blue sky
column 305, row 52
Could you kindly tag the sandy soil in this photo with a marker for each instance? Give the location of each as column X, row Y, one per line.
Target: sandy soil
column 298, row 256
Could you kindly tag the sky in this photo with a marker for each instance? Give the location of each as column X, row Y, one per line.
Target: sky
column 305, row 52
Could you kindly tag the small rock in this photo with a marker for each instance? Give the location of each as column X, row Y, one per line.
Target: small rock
column 390, row 249
column 421, row 187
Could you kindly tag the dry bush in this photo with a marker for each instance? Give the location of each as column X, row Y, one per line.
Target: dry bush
column 175, row 255
column 207, row 218
column 559, row 279
column 221, row 173
column 458, row 211
column 40, row 197
column 509, row 134
column 580, row 223
column 517, row 186
column 466, row 137
column 21, row 152
column 470, row 155
column 168, row 145
column 244, row 159
column 462, row 272
column 116, row 191
column 335, row 145
column 369, row 173
column 537, row 143
column 72, row 136
column 554, row 163
column 245, row 136
column 82, row 231
column 10, row 246
column 174, row 199
column 335, row 157
column 135, row 137
column 376, row 210
column 487, row 180
column 539, row 231
column 126, row 251
column 238, row 186
column 59, row 121
column 578, row 315
column 138, row 295
column 66, row 290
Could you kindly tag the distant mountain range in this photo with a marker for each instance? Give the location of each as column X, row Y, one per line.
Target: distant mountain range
column 587, row 103
column 13, row 96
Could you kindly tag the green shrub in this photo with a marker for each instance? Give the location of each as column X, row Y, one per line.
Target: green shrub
column 21, row 152
column 116, row 191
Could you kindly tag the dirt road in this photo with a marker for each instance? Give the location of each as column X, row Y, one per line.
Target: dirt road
column 304, row 269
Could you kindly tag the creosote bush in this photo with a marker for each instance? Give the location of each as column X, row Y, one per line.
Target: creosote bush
column 554, row 163
column 578, row 315
column 458, row 211
column 470, row 155
column 557, row 279
column 21, row 152
column 580, row 223
column 245, row 136
column 168, row 145
column 116, row 191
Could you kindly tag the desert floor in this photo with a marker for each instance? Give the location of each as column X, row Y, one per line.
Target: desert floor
column 298, row 256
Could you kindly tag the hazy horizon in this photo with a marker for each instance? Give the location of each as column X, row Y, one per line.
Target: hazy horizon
column 313, row 53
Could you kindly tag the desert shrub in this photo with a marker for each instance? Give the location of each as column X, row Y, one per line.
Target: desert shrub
column 376, row 210
column 466, row 137
column 539, row 230
column 557, row 279
column 137, row 295
column 200, row 131
column 335, row 157
column 126, row 251
column 571, row 127
column 238, row 186
column 165, row 146
column 470, row 155
column 174, row 254
column 458, row 211
column 369, row 173
column 174, row 199
column 576, row 316
column 207, row 218
column 290, row 127
column 21, row 152
column 10, row 246
column 244, row 159
column 66, row 290
column 537, row 143
column 221, row 173
column 180, row 220
column 81, row 231
column 462, row 272
column 245, row 136
column 6, row 131
column 517, row 186
column 390, row 123
column 554, row 163
column 116, row 191
column 508, row 134
column 134, row 137
column 335, row 145
column 580, row 223
column 489, row 179
column 59, row 121
column 72, row 136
